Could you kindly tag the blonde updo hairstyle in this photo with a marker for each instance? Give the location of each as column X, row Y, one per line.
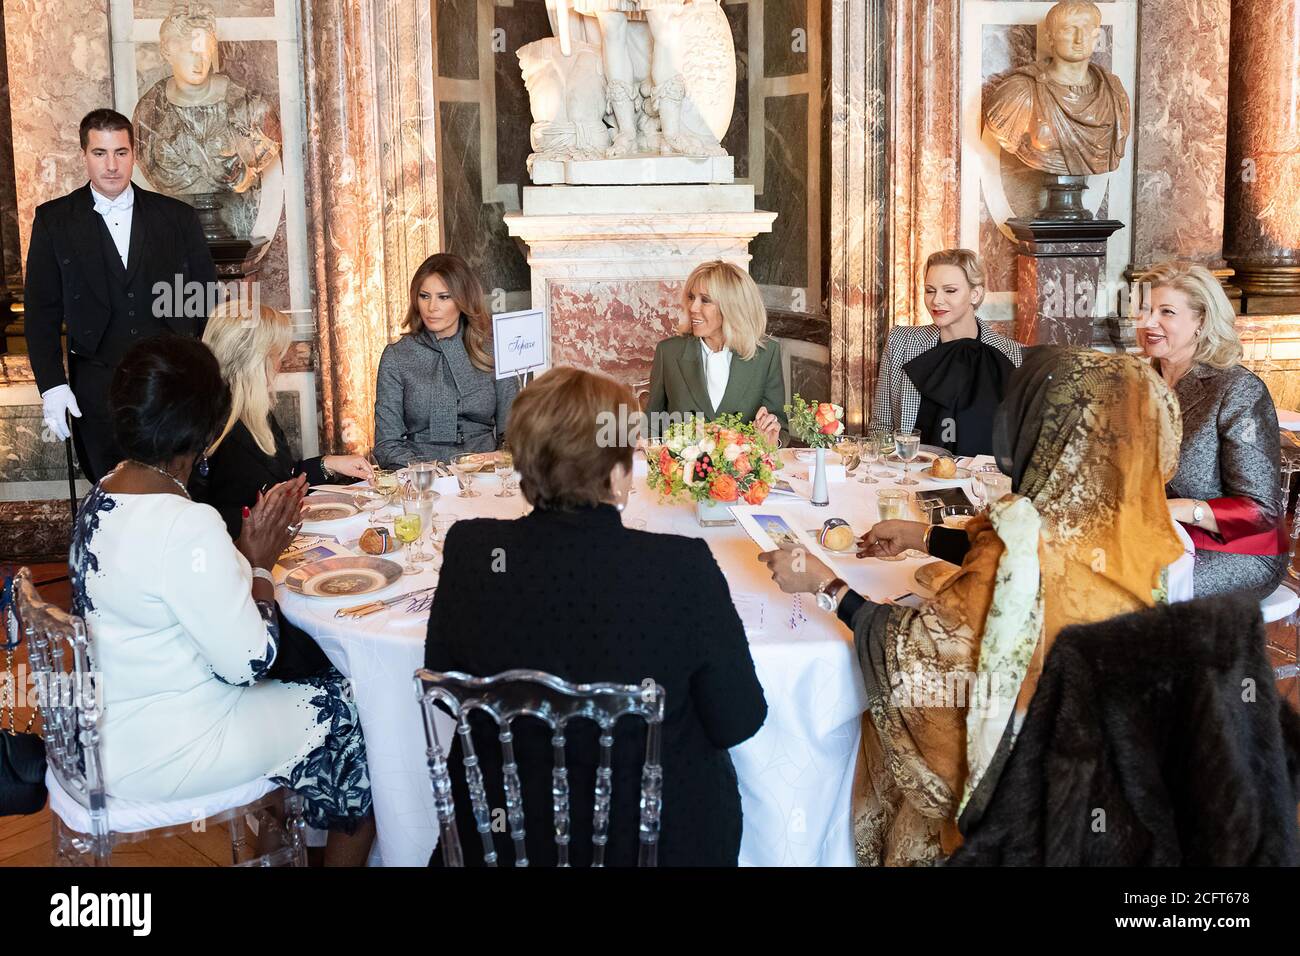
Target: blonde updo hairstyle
column 744, row 317
column 965, row 260
column 1218, row 344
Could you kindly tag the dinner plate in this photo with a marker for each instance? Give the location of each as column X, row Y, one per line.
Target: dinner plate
column 922, row 458
column 316, row 512
column 343, row 576
column 962, row 474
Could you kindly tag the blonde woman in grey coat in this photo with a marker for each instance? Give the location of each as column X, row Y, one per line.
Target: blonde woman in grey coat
column 437, row 395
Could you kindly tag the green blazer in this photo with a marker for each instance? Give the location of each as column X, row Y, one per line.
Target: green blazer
column 677, row 382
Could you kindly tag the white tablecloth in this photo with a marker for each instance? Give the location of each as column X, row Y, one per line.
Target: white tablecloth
column 795, row 774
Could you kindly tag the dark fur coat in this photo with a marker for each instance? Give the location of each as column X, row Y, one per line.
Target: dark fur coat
column 1153, row 739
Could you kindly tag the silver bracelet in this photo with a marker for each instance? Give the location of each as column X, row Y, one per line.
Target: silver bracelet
column 265, row 575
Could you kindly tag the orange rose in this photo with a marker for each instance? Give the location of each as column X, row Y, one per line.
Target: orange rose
column 742, row 465
column 757, row 493
column 665, row 460
column 723, row 487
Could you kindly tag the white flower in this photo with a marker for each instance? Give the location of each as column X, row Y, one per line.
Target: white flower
column 675, row 443
column 839, row 426
column 708, row 445
column 839, row 412
column 732, row 452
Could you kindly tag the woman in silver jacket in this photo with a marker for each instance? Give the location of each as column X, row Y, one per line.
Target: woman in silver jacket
column 1226, row 492
column 437, row 395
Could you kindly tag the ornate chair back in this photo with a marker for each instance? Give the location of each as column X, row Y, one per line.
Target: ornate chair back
column 556, row 702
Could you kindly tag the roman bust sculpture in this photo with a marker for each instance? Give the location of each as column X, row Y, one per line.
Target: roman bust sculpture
column 200, row 136
column 1065, row 116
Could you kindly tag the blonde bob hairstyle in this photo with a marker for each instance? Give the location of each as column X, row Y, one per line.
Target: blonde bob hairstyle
column 1217, row 343
column 249, row 346
column 744, row 317
column 966, row 261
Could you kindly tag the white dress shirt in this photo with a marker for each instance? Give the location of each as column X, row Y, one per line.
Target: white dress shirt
column 117, row 216
column 717, row 370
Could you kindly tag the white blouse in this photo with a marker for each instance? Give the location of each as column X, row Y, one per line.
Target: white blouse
column 717, row 372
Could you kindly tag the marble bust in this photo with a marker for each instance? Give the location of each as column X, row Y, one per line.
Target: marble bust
column 1065, row 115
column 200, row 135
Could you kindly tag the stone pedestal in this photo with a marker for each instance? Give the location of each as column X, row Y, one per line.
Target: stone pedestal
column 608, row 262
column 1059, row 272
column 1262, row 198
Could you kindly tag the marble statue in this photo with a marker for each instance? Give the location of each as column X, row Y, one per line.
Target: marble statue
column 200, row 136
column 1065, row 116
column 666, row 87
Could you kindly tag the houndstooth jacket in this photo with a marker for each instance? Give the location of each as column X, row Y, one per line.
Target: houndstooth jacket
column 897, row 401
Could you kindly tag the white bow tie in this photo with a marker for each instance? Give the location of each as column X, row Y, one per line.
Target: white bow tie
column 120, row 204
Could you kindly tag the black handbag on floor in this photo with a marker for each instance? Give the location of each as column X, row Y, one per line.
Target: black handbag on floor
column 22, row 755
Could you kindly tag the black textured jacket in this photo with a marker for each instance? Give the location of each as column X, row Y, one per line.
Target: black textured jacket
column 580, row 596
column 1153, row 739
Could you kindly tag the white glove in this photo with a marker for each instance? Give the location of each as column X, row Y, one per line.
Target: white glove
column 58, row 401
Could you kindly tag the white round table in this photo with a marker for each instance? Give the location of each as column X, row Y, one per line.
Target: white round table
column 795, row 774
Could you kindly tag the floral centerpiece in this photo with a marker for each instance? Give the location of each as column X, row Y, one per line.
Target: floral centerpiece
column 713, row 463
column 817, row 424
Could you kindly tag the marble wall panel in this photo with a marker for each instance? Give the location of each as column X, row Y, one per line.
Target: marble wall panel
column 58, row 59
column 457, row 32
column 808, row 377
column 520, row 24
column 472, row 224
column 1181, row 128
column 781, row 256
column 785, row 37
column 736, row 140
column 612, row 326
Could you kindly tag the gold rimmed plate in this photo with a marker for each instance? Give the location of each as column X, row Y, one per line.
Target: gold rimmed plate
column 318, row 511
column 343, row 576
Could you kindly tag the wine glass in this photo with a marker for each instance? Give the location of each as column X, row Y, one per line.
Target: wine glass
column 995, row 485
column 422, row 475
column 386, row 484
column 869, row 449
column 505, row 470
column 422, row 502
column 977, row 484
column 907, row 445
column 892, row 505
column 849, row 448
column 407, row 528
column 465, row 469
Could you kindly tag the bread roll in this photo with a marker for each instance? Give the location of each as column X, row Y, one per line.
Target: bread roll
column 944, row 467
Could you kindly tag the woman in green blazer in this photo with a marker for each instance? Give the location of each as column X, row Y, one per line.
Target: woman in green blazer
column 722, row 361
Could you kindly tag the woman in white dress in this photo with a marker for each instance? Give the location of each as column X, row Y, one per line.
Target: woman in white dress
column 183, row 621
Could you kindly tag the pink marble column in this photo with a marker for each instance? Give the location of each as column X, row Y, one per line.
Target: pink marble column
column 858, row 269
column 372, row 209
column 1262, row 215
column 1181, row 132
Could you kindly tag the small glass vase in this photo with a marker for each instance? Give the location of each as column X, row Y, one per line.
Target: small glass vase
column 820, row 496
column 714, row 514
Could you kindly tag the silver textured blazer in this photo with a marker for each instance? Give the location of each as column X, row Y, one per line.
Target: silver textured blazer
column 432, row 403
column 896, row 402
column 1230, row 449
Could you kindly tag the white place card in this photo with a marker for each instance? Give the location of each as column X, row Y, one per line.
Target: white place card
column 519, row 342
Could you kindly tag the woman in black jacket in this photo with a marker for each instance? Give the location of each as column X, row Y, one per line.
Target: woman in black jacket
column 570, row 591
column 252, row 453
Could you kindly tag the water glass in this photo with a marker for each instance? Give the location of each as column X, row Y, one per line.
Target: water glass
column 892, row 505
column 907, row 444
column 386, row 484
column 422, row 475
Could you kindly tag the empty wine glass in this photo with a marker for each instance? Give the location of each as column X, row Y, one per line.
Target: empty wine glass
column 849, row 448
column 869, row 449
column 977, row 488
column 907, row 445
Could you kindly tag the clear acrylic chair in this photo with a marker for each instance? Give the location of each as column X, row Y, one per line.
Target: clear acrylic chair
column 87, row 823
column 556, row 702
